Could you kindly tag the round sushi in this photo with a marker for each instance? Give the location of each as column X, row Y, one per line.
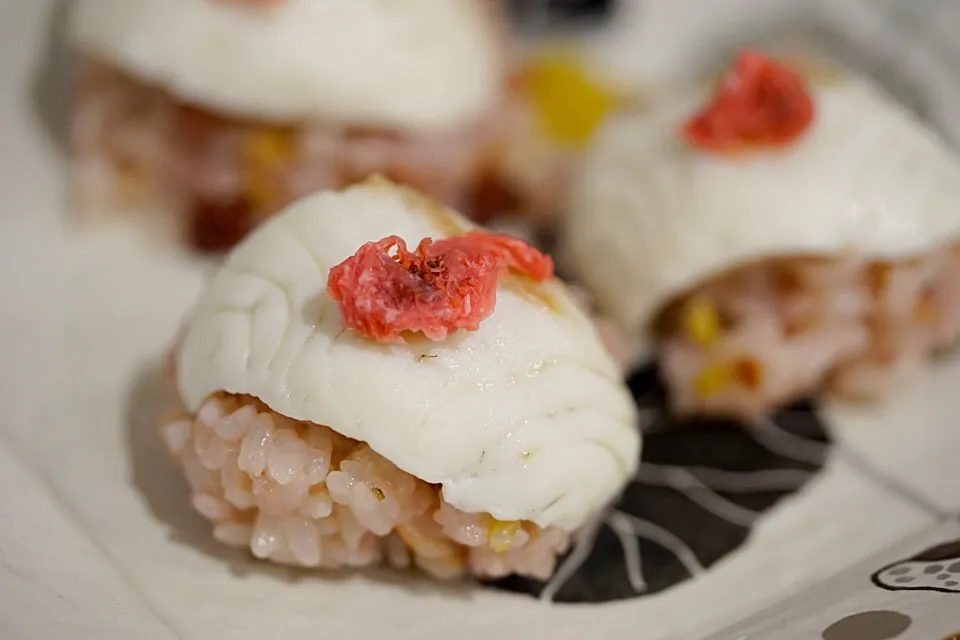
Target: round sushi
column 224, row 111
column 369, row 378
column 786, row 231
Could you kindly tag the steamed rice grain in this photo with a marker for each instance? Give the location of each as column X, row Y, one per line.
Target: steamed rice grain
column 783, row 328
column 137, row 146
column 301, row 494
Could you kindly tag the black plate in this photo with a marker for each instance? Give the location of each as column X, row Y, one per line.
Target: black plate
column 538, row 14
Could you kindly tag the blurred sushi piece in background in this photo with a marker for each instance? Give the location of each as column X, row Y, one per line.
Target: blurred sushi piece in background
column 786, row 230
column 565, row 98
column 220, row 112
column 585, row 59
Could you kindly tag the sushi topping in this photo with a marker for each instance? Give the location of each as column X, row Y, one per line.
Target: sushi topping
column 385, row 291
column 759, row 104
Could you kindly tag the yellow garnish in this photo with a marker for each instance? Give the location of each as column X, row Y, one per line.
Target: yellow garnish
column 702, row 322
column 268, row 147
column 568, row 103
column 260, row 191
column 712, row 379
column 501, row 534
column 378, row 493
column 264, row 153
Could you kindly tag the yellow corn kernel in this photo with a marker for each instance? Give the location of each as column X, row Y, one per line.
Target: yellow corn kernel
column 567, row 102
column 702, row 322
column 267, row 148
column 259, row 191
column 264, row 152
column 501, row 534
column 711, row 380
column 378, row 493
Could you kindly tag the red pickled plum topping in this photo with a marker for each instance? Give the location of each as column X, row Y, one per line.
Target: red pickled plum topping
column 758, row 104
column 440, row 287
